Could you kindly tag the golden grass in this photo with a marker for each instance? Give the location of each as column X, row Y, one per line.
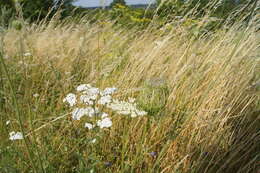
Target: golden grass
column 210, row 122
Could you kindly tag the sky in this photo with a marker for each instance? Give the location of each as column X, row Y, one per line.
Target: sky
column 95, row 3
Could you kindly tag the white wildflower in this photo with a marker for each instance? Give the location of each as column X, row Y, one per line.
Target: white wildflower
column 93, row 141
column 86, row 99
column 104, row 123
column 77, row 113
column 141, row 113
column 93, row 91
column 89, row 126
column 92, row 111
column 15, row 136
column 105, row 100
column 126, row 108
column 8, row 122
column 124, row 112
column 108, row 91
column 104, row 115
column 131, row 100
column 27, row 54
column 83, row 87
column 134, row 114
column 93, row 97
column 36, row 95
column 71, row 99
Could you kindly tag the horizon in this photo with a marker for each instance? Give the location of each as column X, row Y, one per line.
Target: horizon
column 98, row 3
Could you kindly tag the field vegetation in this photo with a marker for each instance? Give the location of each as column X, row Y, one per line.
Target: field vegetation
column 164, row 95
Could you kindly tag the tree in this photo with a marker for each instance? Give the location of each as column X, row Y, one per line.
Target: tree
column 7, row 11
column 39, row 9
column 121, row 2
column 36, row 9
column 218, row 8
column 6, row 3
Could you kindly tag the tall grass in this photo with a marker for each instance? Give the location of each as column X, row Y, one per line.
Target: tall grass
column 202, row 96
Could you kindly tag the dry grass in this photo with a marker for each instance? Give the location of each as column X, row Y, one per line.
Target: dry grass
column 208, row 121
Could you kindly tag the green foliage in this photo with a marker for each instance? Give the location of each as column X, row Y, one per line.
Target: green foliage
column 154, row 96
column 16, row 24
column 115, row 2
column 33, row 9
column 217, row 8
column 6, row 15
column 126, row 16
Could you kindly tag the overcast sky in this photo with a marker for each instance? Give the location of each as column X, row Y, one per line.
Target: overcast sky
column 94, row 3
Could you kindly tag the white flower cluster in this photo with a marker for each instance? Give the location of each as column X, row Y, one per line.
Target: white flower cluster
column 126, row 108
column 88, row 100
column 15, row 136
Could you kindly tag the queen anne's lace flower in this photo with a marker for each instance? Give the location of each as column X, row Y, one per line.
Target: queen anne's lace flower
column 104, row 123
column 77, row 113
column 93, row 97
column 126, row 108
column 92, row 91
column 71, row 99
column 105, row 100
column 86, row 99
column 83, row 87
column 108, row 91
column 15, row 136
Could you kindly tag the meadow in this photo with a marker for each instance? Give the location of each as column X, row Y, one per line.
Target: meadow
column 94, row 97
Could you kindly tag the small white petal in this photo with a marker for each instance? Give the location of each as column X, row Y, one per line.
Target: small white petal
column 7, row 122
